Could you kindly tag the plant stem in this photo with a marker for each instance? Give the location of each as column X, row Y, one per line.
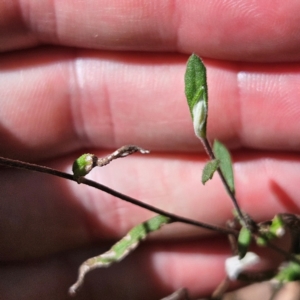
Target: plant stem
column 209, row 151
column 287, row 255
column 175, row 218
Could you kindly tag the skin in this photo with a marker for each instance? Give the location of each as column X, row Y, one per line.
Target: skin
column 91, row 76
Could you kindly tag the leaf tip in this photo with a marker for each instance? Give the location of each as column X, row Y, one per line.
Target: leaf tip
column 84, row 268
column 209, row 170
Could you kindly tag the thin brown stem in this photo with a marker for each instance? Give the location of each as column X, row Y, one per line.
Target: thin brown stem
column 287, row 255
column 175, row 218
column 37, row 168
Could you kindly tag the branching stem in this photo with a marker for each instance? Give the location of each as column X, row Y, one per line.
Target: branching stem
column 175, row 218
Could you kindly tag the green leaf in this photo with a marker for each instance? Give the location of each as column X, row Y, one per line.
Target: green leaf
column 121, row 249
column 267, row 233
column 244, row 241
column 262, row 240
column 290, row 272
column 223, row 155
column 196, row 94
column 277, row 227
column 83, row 165
column 209, row 170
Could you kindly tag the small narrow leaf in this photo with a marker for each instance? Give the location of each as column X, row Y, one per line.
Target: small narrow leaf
column 196, row 94
column 269, row 232
column 223, row 155
column 121, row 249
column 209, row 170
column 277, row 226
column 244, row 241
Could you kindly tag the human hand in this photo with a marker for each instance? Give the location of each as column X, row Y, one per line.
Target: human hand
column 82, row 91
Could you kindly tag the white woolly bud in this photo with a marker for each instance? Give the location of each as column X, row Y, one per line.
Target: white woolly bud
column 199, row 118
column 234, row 266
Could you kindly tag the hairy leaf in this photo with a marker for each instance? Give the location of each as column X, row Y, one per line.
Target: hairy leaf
column 244, row 241
column 121, row 249
column 277, row 226
column 271, row 231
column 223, row 155
column 196, row 94
column 209, row 170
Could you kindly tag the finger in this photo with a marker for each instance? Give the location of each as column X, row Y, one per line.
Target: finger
column 217, row 29
column 58, row 103
column 160, row 270
column 152, row 271
column 62, row 215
